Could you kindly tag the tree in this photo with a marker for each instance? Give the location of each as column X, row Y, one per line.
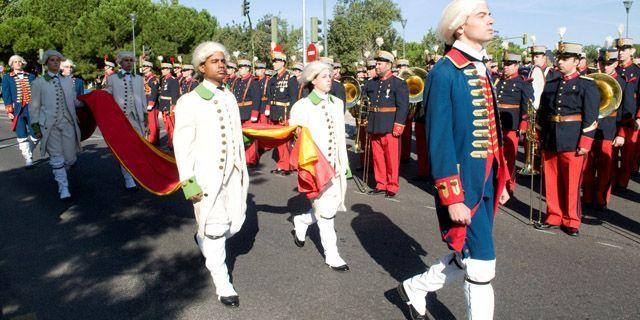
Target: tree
column 355, row 26
column 86, row 30
column 237, row 37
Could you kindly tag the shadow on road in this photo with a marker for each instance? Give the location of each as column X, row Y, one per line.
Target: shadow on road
column 94, row 257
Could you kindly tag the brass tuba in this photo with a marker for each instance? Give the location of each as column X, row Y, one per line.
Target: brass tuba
column 414, row 77
column 353, row 92
column 610, row 93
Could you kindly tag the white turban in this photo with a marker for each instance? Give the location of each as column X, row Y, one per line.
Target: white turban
column 454, row 16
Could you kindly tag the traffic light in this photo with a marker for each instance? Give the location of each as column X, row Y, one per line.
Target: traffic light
column 273, row 24
column 315, row 29
column 525, row 39
column 245, row 7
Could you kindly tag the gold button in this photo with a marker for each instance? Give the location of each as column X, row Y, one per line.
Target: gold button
column 220, row 167
column 224, row 135
column 224, row 142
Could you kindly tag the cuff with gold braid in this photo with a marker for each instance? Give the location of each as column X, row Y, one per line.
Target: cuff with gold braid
column 190, row 188
column 585, row 142
column 450, row 190
column 398, row 128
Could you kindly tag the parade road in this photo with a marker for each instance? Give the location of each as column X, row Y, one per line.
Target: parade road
column 113, row 254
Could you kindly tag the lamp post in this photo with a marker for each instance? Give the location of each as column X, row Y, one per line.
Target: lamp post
column 404, row 42
column 627, row 6
column 133, row 32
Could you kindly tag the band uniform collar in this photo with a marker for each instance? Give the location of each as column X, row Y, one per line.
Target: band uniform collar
column 571, row 76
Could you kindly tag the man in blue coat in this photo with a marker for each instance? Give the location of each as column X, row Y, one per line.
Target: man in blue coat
column 16, row 94
column 464, row 144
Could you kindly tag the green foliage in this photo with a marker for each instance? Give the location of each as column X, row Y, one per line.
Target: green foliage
column 355, row 26
column 237, row 37
column 86, row 30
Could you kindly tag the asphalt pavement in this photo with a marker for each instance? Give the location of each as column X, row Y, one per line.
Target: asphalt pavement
column 113, row 254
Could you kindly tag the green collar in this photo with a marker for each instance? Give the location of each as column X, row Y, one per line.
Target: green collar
column 47, row 77
column 203, row 92
column 123, row 73
column 315, row 99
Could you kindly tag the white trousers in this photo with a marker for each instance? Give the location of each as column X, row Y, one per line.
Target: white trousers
column 328, row 236
column 62, row 143
column 215, row 226
column 213, row 248
column 477, row 284
column 26, row 146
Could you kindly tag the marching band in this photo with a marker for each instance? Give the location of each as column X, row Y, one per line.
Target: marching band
column 467, row 117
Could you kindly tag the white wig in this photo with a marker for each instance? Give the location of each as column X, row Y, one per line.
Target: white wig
column 15, row 58
column 67, row 63
column 124, row 54
column 205, row 50
column 51, row 53
column 454, row 16
column 312, row 70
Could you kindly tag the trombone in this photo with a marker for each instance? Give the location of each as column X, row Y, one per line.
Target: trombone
column 357, row 104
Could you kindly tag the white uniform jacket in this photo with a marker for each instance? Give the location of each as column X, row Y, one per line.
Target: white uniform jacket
column 131, row 99
column 45, row 106
column 323, row 115
column 209, row 148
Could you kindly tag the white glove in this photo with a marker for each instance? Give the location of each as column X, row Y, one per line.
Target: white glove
column 149, row 107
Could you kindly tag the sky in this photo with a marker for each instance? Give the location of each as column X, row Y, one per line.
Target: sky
column 587, row 21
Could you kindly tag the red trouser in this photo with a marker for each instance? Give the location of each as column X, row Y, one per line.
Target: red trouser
column 562, row 179
column 168, row 125
column 405, row 150
column 600, row 164
column 283, row 153
column 510, row 152
column 154, row 128
column 386, row 161
column 421, row 150
column 251, row 152
column 628, row 158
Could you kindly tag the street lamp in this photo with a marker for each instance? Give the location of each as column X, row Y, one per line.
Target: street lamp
column 627, row 6
column 404, row 42
column 133, row 32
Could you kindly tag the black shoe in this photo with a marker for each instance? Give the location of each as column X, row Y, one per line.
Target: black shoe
column 231, row 301
column 342, row 268
column 285, row 172
column 412, row 311
column 375, row 192
column 390, row 195
column 276, row 171
column 298, row 243
column 571, row 231
column 544, row 226
column 195, row 239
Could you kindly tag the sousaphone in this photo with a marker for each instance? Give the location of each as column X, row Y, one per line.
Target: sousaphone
column 610, row 94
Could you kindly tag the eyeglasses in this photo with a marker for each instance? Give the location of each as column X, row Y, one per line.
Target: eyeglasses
column 370, row 68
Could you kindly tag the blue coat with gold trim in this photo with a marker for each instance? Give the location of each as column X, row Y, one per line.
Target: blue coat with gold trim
column 463, row 139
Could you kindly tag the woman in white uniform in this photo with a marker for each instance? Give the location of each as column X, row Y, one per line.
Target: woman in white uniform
column 210, row 155
column 53, row 118
column 323, row 115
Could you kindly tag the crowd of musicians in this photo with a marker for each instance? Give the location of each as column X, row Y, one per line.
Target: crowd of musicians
column 469, row 119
